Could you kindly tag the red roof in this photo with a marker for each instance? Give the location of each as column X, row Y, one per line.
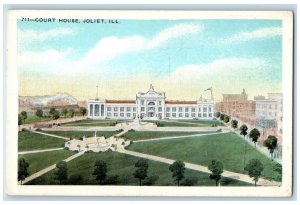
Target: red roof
column 121, row 101
column 181, row 102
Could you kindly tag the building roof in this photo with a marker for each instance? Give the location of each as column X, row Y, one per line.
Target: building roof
column 181, row 102
column 121, row 101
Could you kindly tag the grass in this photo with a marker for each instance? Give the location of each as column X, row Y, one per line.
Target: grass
column 39, row 161
column 88, row 122
column 185, row 123
column 123, row 166
column 34, row 118
column 227, row 148
column 141, row 135
column 78, row 134
column 33, row 141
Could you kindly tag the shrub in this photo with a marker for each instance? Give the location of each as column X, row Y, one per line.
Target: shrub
column 150, row 180
column 66, row 148
column 75, row 179
column 24, row 129
column 131, row 130
column 89, row 151
column 112, row 179
column 38, row 129
column 190, row 181
column 226, row 181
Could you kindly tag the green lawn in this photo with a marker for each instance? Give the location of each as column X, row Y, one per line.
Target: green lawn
column 78, row 134
column 39, row 161
column 227, row 148
column 185, row 123
column 88, row 122
column 123, row 166
column 33, row 119
column 33, row 141
column 141, row 135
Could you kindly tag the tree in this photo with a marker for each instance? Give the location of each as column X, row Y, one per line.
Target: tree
column 39, row 113
column 72, row 112
column 64, row 112
column 142, row 170
column 178, row 168
column 254, row 169
column 271, row 144
column 20, row 120
column 222, row 116
column 52, row 110
column 100, row 171
column 226, row 118
column 254, row 135
column 82, row 110
column 216, row 168
column 190, row 181
column 234, row 124
column 243, row 130
column 56, row 114
column 217, row 114
column 22, row 170
column 61, row 173
column 24, row 115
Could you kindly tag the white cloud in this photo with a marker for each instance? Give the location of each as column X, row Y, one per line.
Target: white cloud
column 110, row 47
column 29, row 36
column 256, row 34
column 105, row 50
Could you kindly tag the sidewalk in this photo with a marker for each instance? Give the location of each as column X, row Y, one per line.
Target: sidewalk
column 38, row 151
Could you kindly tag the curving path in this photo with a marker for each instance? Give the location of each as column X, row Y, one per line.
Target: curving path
column 44, row 171
column 229, row 174
column 178, row 137
column 38, row 151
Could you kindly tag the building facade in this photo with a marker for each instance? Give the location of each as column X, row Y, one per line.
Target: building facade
column 150, row 105
column 269, row 109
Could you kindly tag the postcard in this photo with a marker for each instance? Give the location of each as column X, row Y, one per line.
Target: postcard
column 149, row 103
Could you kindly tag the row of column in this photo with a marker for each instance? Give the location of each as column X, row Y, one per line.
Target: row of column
column 96, row 110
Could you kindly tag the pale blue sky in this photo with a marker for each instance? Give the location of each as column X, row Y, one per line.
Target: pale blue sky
column 182, row 57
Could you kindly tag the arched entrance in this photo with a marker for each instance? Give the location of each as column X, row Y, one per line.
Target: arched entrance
column 151, row 109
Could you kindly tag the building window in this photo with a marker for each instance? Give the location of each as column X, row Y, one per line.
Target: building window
column 159, row 102
column 108, row 114
column 128, row 115
column 193, row 109
column 97, row 107
column 160, row 109
column 142, row 108
column 102, row 110
column 186, row 109
column 134, row 115
column 209, row 109
column 134, row 109
column 142, row 102
column 173, row 114
column 168, row 109
column 180, row 114
column 186, row 114
column 193, row 115
column 209, row 115
column 199, row 115
column 199, row 109
column 115, row 114
column 122, row 114
column 108, row 109
column 204, row 114
column 122, row 109
column 168, row 115
column 91, row 109
column 180, row 109
column 173, row 109
column 128, row 109
column 204, row 109
column 116, row 109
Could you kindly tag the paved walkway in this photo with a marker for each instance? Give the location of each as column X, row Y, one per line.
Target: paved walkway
column 51, row 135
column 178, row 137
column 121, row 133
column 42, row 150
column 44, row 171
column 229, row 174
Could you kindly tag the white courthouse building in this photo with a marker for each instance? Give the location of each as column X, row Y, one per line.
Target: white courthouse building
column 150, row 105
